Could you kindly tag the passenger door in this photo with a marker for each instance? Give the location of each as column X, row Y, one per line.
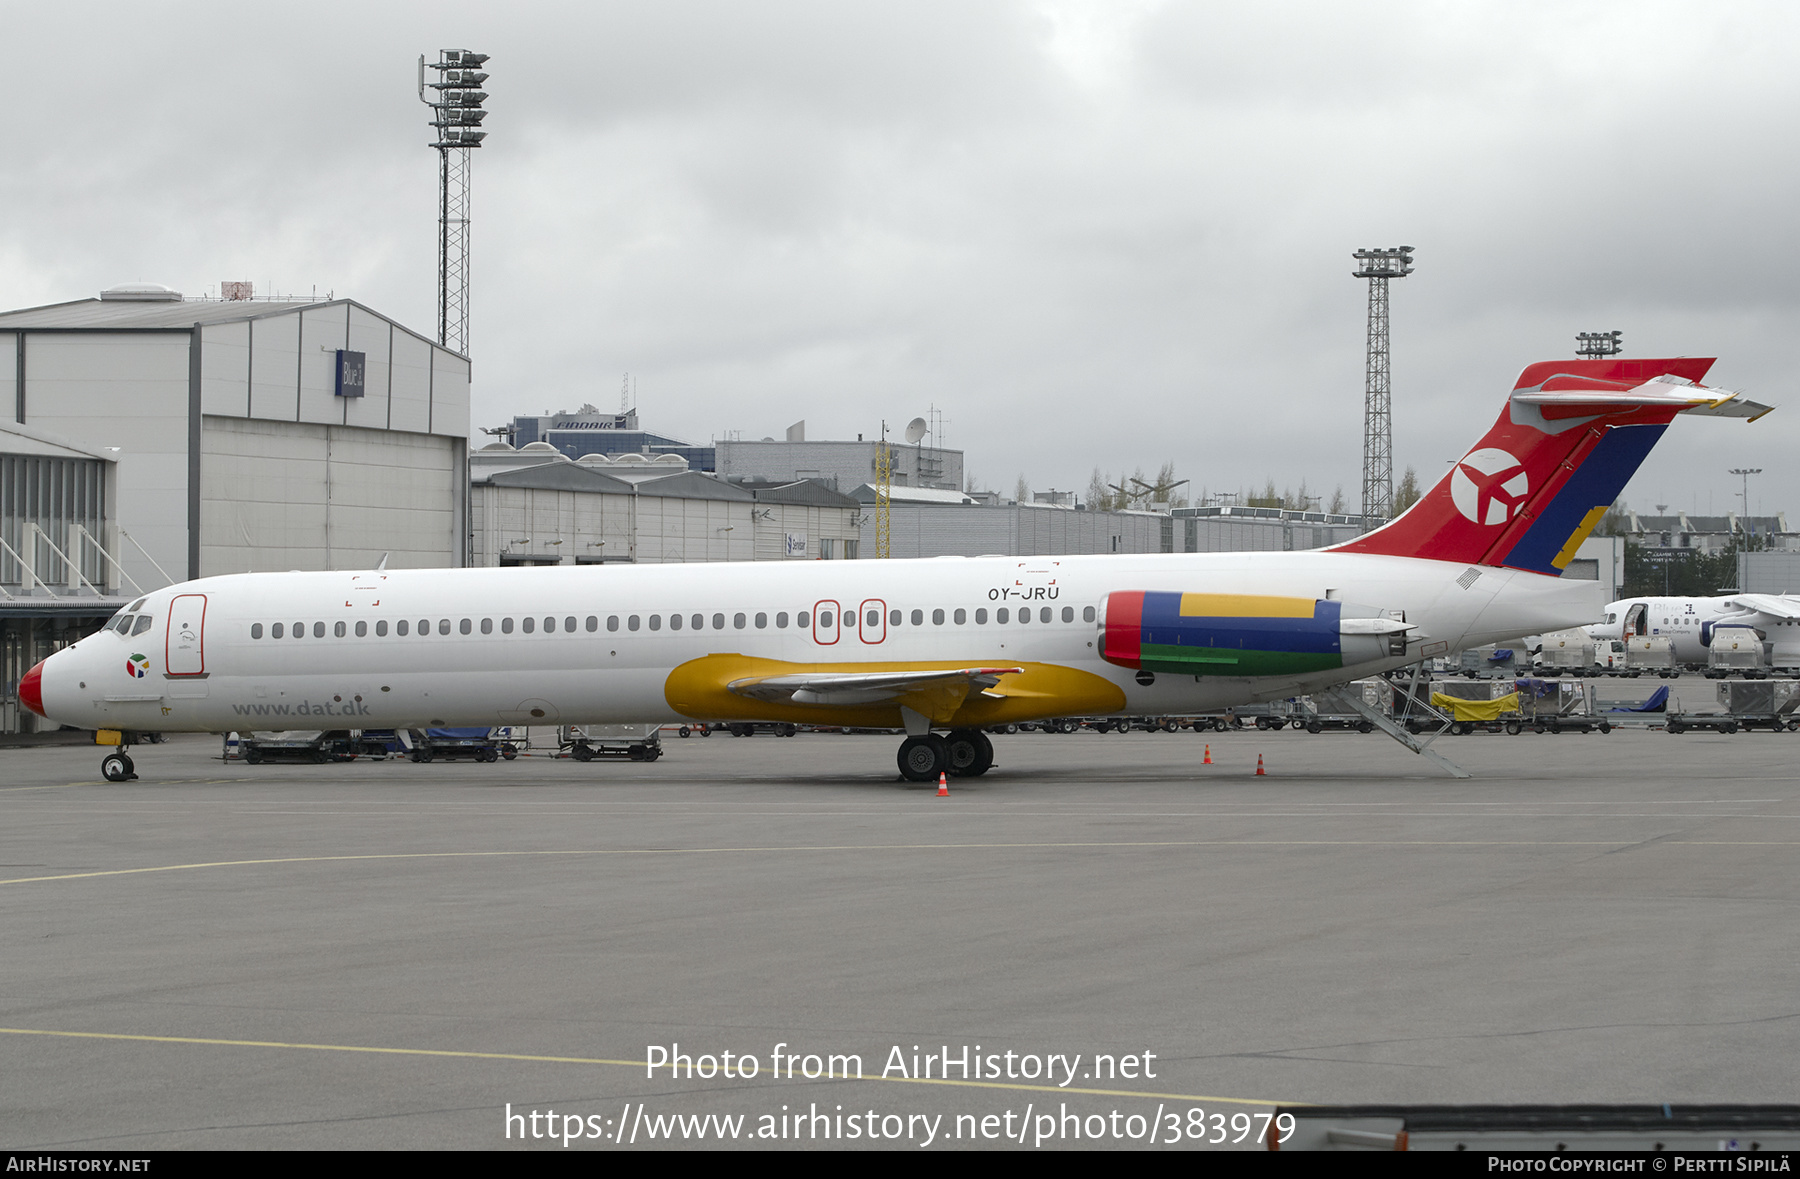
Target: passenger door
column 184, row 647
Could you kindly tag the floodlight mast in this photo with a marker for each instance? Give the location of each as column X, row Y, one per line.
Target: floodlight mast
column 455, row 100
column 1378, row 424
column 1598, row 345
column 1746, row 472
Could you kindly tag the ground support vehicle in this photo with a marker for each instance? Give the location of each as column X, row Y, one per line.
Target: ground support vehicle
column 1654, row 654
column 752, row 728
column 615, row 742
column 1736, row 650
column 478, row 744
column 1745, row 706
column 1566, row 652
column 1560, row 706
column 1456, row 705
column 1331, row 709
column 290, row 745
column 697, row 729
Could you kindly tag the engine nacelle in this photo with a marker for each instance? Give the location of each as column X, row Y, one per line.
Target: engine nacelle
column 1244, row 634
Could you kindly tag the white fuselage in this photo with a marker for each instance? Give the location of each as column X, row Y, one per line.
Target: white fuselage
column 1688, row 622
column 595, row 644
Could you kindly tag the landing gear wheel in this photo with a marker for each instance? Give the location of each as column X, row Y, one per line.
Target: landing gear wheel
column 116, row 767
column 922, row 759
column 971, row 753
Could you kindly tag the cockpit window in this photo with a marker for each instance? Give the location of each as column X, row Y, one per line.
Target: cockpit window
column 136, row 606
column 141, row 625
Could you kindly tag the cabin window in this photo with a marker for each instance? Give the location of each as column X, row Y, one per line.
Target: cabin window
column 593, row 624
column 918, row 617
column 960, row 617
column 299, row 630
column 894, row 618
column 981, row 617
column 401, row 627
column 1044, row 614
column 569, row 624
column 612, row 622
column 487, row 626
column 275, row 631
column 528, row 625
column 362, row 630
column 738, row 621
column 656, row 621
column 338, row 630
column 1087, row 614
column 937, row 618
column 424, row 627
column 698, row 621
column 803, row 620
column 466, row 626
column 873, row 620
column 443, row 626
column 256, row 630
column 825, row 619
column 1000, row 615
column 318, row 630
column 1068, row 614
column 1024, row 614
column 719, row 621
column 549, row 626
column 674, row 622
column 506, row 625
column 381, row 628
column 781, row 620
column 632, row 622
column 762, row 621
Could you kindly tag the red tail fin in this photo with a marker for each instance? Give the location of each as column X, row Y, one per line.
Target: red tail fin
column 1571, row 436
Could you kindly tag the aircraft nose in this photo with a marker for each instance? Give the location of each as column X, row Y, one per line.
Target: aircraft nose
column 31, row 689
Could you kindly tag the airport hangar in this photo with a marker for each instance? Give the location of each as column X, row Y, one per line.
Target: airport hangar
column 156, row 439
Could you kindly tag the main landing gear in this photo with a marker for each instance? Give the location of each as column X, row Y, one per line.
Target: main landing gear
column 962, row 753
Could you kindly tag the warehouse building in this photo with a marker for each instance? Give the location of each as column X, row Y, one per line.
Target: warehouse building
column 533, row 506
column 251, row 434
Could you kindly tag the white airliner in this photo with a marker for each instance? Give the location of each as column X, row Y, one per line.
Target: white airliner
column 934, row 647
column 1692, row 623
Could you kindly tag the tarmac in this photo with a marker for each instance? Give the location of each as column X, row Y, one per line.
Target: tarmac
column 393, row 955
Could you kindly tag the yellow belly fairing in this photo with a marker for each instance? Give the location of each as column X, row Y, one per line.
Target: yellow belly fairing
column 700, row 688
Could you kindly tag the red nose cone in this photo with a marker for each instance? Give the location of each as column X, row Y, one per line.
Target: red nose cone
column 31, row 689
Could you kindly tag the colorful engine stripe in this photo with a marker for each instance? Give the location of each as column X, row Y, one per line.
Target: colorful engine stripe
column 1222, row 634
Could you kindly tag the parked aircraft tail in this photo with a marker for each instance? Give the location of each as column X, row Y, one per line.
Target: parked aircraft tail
column 1571, row 436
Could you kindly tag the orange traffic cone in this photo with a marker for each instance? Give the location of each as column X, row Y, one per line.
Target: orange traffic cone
column 1259, row 769
column 943, row 786
column 1208, row 760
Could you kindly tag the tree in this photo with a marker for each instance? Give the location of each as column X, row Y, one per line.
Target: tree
column 1098, row 496
column 1337, row 500
column 1407, row 494
column 1266, row 498
column 1022, row 489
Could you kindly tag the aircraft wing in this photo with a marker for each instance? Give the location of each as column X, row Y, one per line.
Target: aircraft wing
column 1773, row 605
column 878, row 687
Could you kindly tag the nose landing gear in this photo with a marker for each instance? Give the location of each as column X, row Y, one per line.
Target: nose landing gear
column 117, row 767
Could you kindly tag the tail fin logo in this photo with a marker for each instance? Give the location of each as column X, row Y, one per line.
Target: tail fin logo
column 1489, row 486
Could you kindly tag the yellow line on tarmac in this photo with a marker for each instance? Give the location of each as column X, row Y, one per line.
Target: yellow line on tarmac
column 617, row 1063
column 880, row 847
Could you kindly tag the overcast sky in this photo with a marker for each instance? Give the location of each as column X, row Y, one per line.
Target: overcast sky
column 1107, row 234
